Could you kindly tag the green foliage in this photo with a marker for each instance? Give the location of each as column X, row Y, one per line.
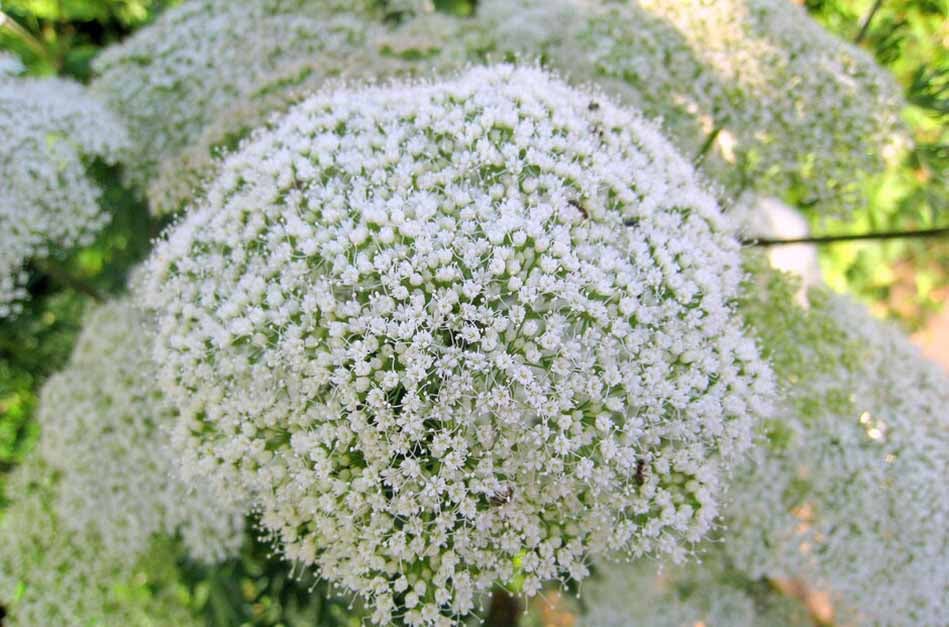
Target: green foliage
column 62, row 36
column 258, row 590
column 394, row 11
column 32, row 346
column 905, row 279
column 456, row 7
column 128, row 12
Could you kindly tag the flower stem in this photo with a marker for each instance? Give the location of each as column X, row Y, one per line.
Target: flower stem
column 709, row 140
column 504, row 609
column 24, row 35
column 865, row 26
column 832, row 239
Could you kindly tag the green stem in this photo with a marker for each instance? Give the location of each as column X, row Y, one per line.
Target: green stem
column 833, row 239
column 32, row 42
column 709, row 141
column 865, row 26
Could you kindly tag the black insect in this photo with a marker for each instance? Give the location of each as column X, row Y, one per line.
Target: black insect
column 502, row 496
column 593, row 106
column 640, row 472
column 578, row 207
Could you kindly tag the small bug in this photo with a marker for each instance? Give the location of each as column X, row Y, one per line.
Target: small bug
column 593, row 106
column 502, row 496
column 640, row 472
column 578, row 207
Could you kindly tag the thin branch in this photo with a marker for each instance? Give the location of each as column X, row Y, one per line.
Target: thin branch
column 833, row 239
column 865, row 26
column 504, row 609
column 66, row 279
column 13, row 26
column 709, row 141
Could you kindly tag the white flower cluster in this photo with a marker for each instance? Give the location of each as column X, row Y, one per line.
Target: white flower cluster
column 408, row 7
column 50, row 132
column 849, row 493
column 802, row 104
column 104, row 427
column 706, row 592
column 182, row 176
column 51, row 575
column 186, row 72
column 10, row 64
column 785, row 103
column 412, row 323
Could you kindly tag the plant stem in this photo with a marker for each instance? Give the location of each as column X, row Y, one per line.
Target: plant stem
column 10, row 24
column 865, row 26
column 67, row 279
column 709, row 141
column 503, row 611
column 833, row 239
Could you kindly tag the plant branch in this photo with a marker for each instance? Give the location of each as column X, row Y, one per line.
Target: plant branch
column 865, row 26
column 709, row 141
column 13, row 26
column 833, row 239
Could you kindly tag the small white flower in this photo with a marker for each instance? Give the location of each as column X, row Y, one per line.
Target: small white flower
column 10, row 64
column 106, row 430
column 848, row 489
column 790, row 104
column 706, row 591
column 50, row 129
column 208, row 71
column 475, row 409
column 52, row 574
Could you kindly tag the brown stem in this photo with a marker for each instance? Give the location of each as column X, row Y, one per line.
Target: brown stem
column 833, row 239
column 504, row 609
column 865, row 26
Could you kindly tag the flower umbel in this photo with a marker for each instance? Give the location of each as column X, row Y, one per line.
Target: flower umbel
column 848, row 490
column 105, row 429
column 436, row 328
column 50, row 132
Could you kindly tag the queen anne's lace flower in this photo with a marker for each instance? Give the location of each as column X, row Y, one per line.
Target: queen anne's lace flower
column 850, row 491
column 50, row 131
column 105, row 428
column 205, row 58
column 52, row 575
column 183, row 175
column 412, row 322
column 785, row 103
